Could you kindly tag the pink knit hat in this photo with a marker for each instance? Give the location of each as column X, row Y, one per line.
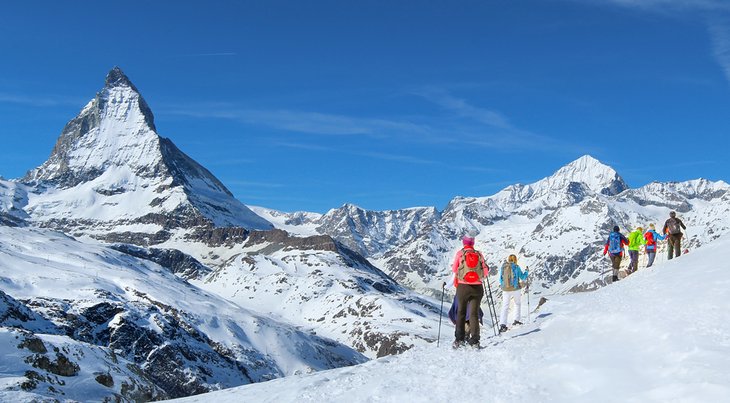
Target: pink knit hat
column 468, row 239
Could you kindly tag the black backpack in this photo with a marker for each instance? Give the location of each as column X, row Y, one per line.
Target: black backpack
column 673, row 226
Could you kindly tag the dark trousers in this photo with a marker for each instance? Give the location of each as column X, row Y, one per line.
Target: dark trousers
column 468, row 297
column 634, row 264
column 616, row 263
column 674, row 245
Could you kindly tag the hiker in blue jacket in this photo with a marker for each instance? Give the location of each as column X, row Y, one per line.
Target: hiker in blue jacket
column 651, row 237
column 511, row 277
column 615, row 248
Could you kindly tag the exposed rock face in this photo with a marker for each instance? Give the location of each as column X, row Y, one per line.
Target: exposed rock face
column 49, row 355
column 383, row 228
column 177, row 262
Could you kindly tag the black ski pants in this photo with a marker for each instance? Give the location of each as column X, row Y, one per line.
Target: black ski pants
column 468, row 297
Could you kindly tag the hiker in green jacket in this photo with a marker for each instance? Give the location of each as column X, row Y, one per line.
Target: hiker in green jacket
column 636, row 241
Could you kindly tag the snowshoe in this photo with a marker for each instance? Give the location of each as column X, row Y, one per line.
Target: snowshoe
column 503, row 328
column 517, row 323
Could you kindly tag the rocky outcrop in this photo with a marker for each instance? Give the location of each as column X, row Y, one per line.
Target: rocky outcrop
column 174, row 260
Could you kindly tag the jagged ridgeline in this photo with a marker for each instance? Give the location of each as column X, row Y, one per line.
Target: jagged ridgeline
column 557, row 226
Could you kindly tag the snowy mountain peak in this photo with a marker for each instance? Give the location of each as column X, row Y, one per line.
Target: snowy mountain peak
column 117, row 78
column 115, row 129
column 111, row 162
column 593, row 173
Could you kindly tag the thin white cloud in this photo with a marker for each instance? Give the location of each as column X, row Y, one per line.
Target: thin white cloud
column 664, row 6
column 302, row 122
column 464, row 109
column 462, row 123
column 300, row 146
column 713, row 12
column 267, row 185
column 212, row 54
column 38, row 101
column 375, row 155
column 720, row 36
column 400, row 158
column 492, row 128
column 231, row 162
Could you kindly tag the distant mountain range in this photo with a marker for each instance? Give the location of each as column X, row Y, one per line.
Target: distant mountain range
column 275, row 293
column 557, row 226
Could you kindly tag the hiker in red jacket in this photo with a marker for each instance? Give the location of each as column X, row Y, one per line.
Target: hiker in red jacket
column 652, row 237
column 470, row 269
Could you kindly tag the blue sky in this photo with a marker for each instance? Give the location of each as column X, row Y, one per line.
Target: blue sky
column 300, row 105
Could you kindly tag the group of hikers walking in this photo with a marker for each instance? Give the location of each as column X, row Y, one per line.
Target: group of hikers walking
column 470, row 271
column 614, row 247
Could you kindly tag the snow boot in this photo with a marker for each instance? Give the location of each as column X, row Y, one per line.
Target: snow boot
column 457, row 344
column 503, row 328
column 516, row 323
column 614, row 278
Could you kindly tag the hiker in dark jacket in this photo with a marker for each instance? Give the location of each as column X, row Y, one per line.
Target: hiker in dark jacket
column 673, row 228
column 615, row 248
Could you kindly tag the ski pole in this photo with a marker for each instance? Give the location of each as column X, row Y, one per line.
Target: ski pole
column 441, row 312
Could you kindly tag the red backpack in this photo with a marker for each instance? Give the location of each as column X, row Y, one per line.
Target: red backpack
column 471, row 268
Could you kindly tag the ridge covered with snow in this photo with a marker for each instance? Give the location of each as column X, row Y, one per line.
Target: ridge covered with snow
column 557, row 225
column 659, row 335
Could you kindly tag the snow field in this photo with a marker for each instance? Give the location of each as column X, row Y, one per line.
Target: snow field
column 660, row 335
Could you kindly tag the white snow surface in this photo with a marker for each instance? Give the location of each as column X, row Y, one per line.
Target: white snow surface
column 660, row 335
column 38, row 264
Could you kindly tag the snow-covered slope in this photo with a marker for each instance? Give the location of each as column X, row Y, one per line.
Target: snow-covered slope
column 316, row 283
column 111, row 178
column 111, row 172
column 662, row 334
column 13, row 197
column 97, row 305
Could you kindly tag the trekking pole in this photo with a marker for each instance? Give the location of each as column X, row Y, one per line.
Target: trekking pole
column 441, row 312
column 527, row 289
column 490, row 301
column 492, row 308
